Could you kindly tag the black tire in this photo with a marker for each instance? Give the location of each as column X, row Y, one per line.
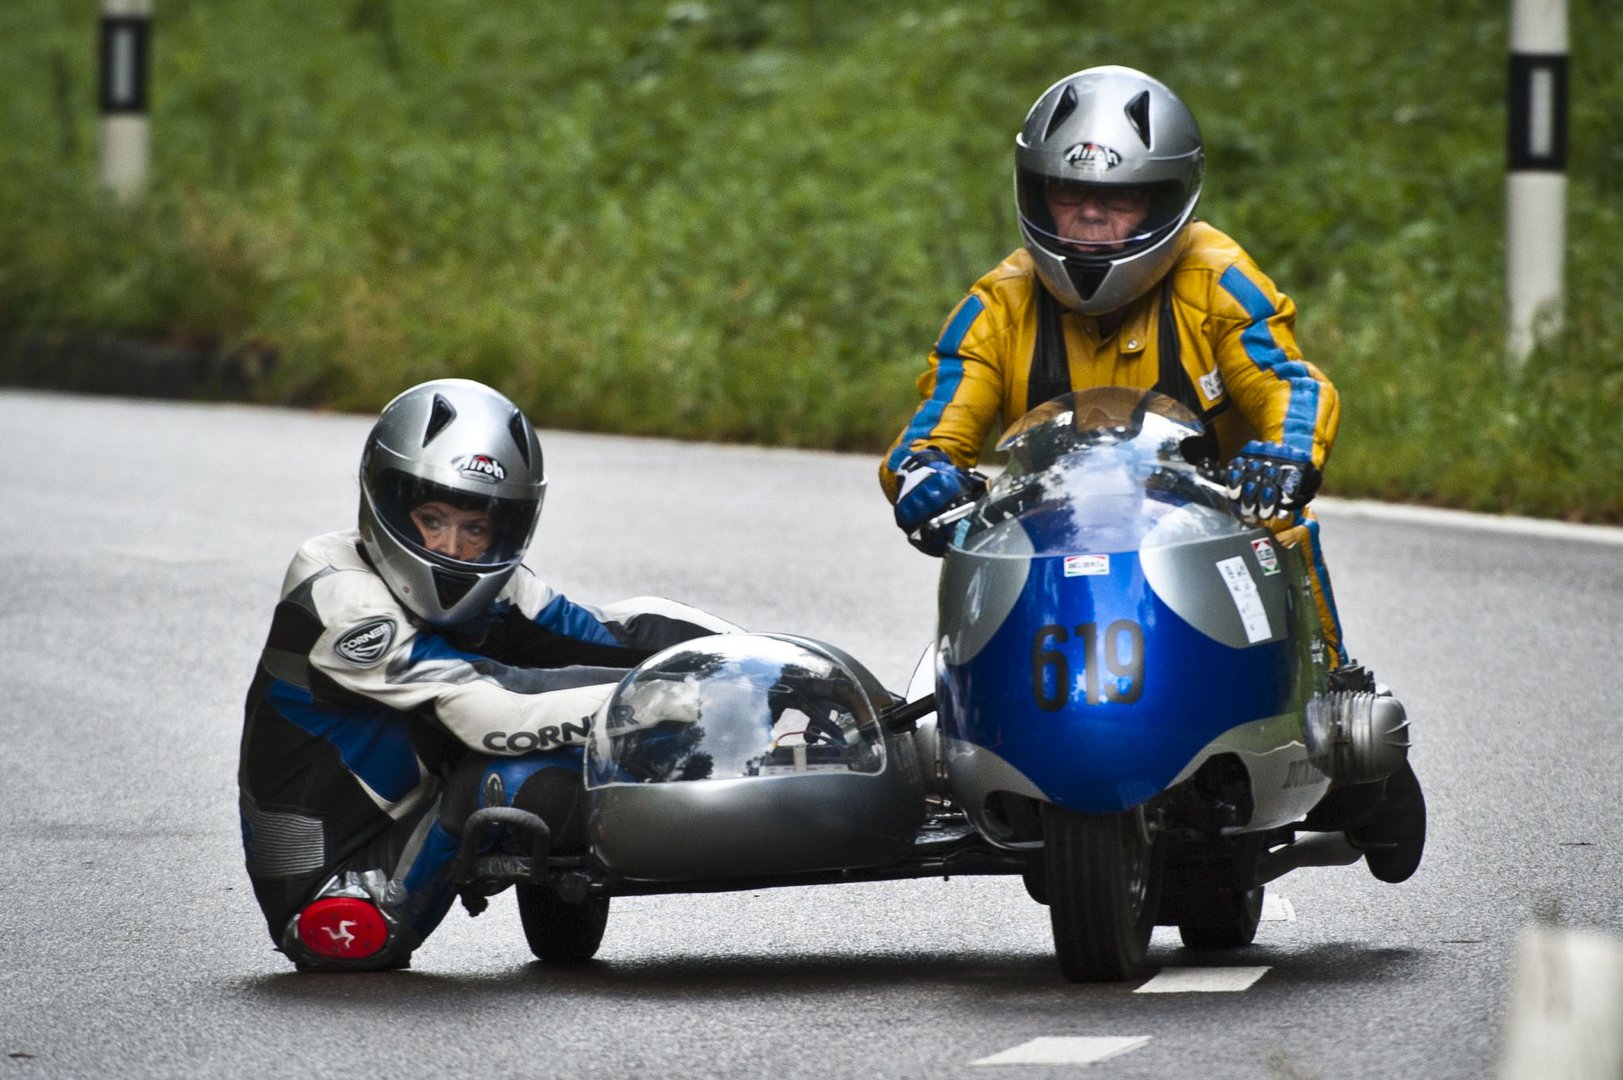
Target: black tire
column 560, row 932
column 1228, row 920
column 1103, row 878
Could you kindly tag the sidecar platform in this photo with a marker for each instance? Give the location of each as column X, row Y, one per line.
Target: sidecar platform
column 945, row 846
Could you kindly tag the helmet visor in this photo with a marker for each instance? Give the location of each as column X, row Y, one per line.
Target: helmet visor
column 1080, row 220
column 455, row 529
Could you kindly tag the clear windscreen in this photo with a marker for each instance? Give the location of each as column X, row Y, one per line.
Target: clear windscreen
column 736, row 705
column 1096, row 470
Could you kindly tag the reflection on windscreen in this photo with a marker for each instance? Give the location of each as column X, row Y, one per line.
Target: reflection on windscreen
column 736, row 706
column 1096, row 471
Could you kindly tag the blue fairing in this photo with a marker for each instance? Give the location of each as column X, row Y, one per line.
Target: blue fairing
column 1151, row 712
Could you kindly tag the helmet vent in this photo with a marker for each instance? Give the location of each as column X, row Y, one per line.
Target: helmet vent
column 440, row 414
column 1063, row 108
column 516, row 426
column 1138, row 114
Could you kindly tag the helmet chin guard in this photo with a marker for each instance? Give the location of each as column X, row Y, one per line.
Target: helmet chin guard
column 458, row 449
column 1107, row 128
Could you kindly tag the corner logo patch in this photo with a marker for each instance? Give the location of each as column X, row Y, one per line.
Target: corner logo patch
column 366, row 644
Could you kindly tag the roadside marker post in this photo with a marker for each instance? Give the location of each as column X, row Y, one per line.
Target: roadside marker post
column 1566, row 1007
column 125, row 51
column 1536, row 190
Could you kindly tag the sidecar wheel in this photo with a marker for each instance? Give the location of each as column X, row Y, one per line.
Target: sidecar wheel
column 1228, row 921
column 1103, row 878
column 560, row 932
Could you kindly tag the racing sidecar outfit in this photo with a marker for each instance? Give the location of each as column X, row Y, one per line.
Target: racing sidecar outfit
column 1215, row 334
column 358, row 710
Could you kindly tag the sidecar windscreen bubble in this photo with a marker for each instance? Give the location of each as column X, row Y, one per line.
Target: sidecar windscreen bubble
column 737, row 705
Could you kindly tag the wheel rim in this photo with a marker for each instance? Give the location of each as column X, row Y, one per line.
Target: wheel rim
column 1135, row 864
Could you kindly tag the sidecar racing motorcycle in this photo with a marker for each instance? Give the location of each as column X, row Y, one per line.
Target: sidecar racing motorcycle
column 1127, row 703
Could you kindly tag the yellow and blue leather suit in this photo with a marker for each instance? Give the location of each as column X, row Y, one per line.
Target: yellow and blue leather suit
column 1214, row 333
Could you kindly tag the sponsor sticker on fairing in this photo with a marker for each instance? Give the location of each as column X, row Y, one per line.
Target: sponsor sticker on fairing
column 366, row 643
column 1267, row 557
column 1087, row 565
column 1247, row 600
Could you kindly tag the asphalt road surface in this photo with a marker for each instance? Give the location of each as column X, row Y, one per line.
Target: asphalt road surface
column 141, row 553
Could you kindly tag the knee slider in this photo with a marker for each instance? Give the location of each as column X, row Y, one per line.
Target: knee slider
column 340, row 930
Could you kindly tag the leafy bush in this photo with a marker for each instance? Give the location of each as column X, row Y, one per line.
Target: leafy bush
column 747, row 220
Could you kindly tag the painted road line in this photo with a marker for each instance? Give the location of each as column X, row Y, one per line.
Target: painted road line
column 1066, row 1050
column 1277, row 908
column 1400, row 514
column 1202, row 980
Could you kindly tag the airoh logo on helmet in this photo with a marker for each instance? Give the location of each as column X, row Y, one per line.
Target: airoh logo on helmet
column 1092, row 157
column 480, row 467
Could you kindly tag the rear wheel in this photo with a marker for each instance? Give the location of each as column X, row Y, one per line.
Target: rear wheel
column 1103, row 878
column 1227, row 919
column 558, row 931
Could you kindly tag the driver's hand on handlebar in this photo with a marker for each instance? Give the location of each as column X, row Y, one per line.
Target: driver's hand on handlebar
column 930, row 485
column 1269, row 480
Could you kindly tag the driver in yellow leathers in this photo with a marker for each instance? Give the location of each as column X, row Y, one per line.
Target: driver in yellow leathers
column 1117, row 284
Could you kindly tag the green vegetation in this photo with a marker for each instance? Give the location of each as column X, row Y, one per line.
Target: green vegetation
column 746, row 220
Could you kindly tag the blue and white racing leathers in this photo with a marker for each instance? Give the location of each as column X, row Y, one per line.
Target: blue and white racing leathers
column 358, row 711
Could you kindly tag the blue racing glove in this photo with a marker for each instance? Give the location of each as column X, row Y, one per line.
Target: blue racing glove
column 930, row 484
column 1270, row 480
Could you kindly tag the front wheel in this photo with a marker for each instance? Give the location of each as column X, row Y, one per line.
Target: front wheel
column 1103, row 877
column 558, row 931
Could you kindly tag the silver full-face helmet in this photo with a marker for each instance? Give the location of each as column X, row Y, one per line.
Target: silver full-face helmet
column 451, row 488
column 1107, row 128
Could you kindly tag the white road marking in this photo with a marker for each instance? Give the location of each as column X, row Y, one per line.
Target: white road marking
column 1463, row 519
column 1066, row 1050
column 1277, row 908
column 1202, row 980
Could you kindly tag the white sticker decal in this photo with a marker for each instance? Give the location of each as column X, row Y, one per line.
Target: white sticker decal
column 1211, row 385
column 1087, row 565
column 1247, row 601
column 1267, row 557
column 366, row 644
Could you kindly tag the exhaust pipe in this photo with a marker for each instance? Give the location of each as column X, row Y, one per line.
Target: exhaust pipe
column 1310, row 849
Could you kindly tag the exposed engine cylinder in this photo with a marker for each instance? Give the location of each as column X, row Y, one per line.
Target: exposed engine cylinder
column 1362, row 737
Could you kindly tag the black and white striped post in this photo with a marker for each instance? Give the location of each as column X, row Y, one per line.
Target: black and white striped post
column 126, row 37
column 1536, row 195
